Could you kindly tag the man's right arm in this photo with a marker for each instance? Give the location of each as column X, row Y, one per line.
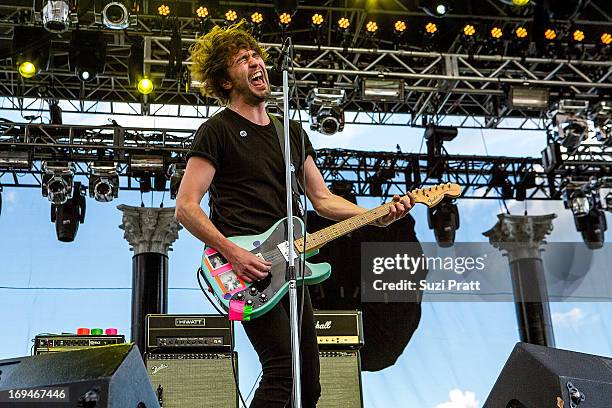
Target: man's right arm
column 195, row 183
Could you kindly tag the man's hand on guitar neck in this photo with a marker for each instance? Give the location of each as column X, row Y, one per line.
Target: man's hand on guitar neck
column 247, row 265
column 398, row 208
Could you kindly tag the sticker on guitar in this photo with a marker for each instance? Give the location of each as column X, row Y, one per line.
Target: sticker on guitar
column 219, row 268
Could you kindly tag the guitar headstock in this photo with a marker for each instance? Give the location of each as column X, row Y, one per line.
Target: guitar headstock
column 430, row 196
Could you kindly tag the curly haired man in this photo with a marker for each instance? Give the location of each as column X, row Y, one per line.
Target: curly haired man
column 237, row 158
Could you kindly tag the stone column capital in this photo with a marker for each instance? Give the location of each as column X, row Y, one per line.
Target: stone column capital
column 520, row 236
column 149, row 229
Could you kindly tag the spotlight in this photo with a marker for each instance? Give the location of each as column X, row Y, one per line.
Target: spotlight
column 31, row 47
column 257, row 18
column 317, row 20
column 145, row 86
column 116, row 16
column 399, row 27
column 520, row 97
column 516, row 3
column 592, row 227
column 443, row 219
column 202, row 12
column 176, row 171
column 435, row 8
column 326, row 111
column 435, row 137
column 57, row 181
column 285, row 9
column 572, row 127
column 103, row 181
column 163, row 10
column 578, row 35
column 87, row 55
column 550, row 34
column 497, row 33
column 69, row 215
column 586, row 207
column 56, row 16
column 15, row 159
column 284, row 19
column 521, row 33
column 385, row 90
column 602, row 118
column 499, row 179
column 344, row 23
column 606, row 39
column 431, row 28
column 469, row 30
column 371, row 27
column 231, row 16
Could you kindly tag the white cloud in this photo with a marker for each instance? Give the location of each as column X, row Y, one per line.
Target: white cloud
column 9, row 197
column 460, row 399
column 572, row 318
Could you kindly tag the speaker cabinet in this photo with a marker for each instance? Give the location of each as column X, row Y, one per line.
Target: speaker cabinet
column 537, row 377
column 194, row 380
column 340, row 379
column 101, row 377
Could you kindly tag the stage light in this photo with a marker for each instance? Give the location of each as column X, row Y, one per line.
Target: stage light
column 443, row 219
column 325, row 109
column 231, row 16
column 15, row 159
column 399, row 27
column 435, row 137
column 87, row 55
column 317, row 20
column 371, row 27
column 103, row 181
column 520, row 3
column 496, row 33
column 344, row 23
column 27, row 69
column 344, row 189
column 176, row 171
column 257, row 18
column 69, row 215
column 602, row 119
column 202, row 12
column 284, row 19
column 145, row 86
column 528, row 98
column 572, row 127
column 163, row 10
column 387, row 90
column 56, row 16
column 550, row 34
column 584, row 202
column 116, row 16
column 521, row 33
column 578, row 35
column 431, row 28
column 435, row 8
column 469, row 30
column 57, row 181
column 606, row 38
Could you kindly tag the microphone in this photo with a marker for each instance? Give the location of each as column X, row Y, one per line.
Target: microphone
column 285, row 53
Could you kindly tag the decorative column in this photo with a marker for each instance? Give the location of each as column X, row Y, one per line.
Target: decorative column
column 150, row 232
column 520, row 238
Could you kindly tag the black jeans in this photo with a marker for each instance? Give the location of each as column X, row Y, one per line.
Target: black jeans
column 270, row 335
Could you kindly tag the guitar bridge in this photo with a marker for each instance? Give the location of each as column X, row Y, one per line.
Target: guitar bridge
column 283, row 247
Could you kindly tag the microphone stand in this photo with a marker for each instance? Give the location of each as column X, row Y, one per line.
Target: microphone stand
column 286, row 57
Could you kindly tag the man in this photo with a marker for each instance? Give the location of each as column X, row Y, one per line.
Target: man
column 236, row 154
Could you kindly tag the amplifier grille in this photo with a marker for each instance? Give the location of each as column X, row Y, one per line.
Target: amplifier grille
column 340, row 380
column 194, row 380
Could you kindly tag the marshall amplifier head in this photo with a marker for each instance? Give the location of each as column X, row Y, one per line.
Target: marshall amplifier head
column 339, row 329
column 188, row 332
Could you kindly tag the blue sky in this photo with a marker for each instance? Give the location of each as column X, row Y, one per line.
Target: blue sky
column 452, row 361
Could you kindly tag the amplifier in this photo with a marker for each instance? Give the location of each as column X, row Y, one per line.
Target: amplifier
column 188, row 332
column 339, row 328
column 194, row 380
column 51, row 343
column 340, row 379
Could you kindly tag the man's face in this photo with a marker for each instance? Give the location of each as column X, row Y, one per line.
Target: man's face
column 248, row 77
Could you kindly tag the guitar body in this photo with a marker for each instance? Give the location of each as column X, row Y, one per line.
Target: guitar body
column 243, row 300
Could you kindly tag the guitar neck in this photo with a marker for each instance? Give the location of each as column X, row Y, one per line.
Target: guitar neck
column 317, row 239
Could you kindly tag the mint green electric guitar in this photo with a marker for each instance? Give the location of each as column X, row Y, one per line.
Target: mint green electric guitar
column 244, row 301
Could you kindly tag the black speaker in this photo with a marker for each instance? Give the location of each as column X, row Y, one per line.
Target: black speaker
column 194, row 380
column 340, row 379
column 99, row 377
column 538, row 377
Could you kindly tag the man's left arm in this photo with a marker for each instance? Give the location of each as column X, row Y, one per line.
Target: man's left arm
column 334, row 207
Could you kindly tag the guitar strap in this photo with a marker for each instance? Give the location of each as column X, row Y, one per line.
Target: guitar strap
column 296, row 186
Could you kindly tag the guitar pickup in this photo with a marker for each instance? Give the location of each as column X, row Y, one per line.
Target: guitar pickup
column 283, row 247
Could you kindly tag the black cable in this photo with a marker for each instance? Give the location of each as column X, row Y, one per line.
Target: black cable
column 234, row 370
column 206, row 293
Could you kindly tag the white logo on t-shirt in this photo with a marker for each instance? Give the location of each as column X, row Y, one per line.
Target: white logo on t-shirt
column 243, row 133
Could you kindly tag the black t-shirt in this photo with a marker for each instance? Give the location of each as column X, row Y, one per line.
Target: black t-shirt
column 247, row 194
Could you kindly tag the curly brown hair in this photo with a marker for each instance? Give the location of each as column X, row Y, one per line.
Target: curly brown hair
column 212, row 53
